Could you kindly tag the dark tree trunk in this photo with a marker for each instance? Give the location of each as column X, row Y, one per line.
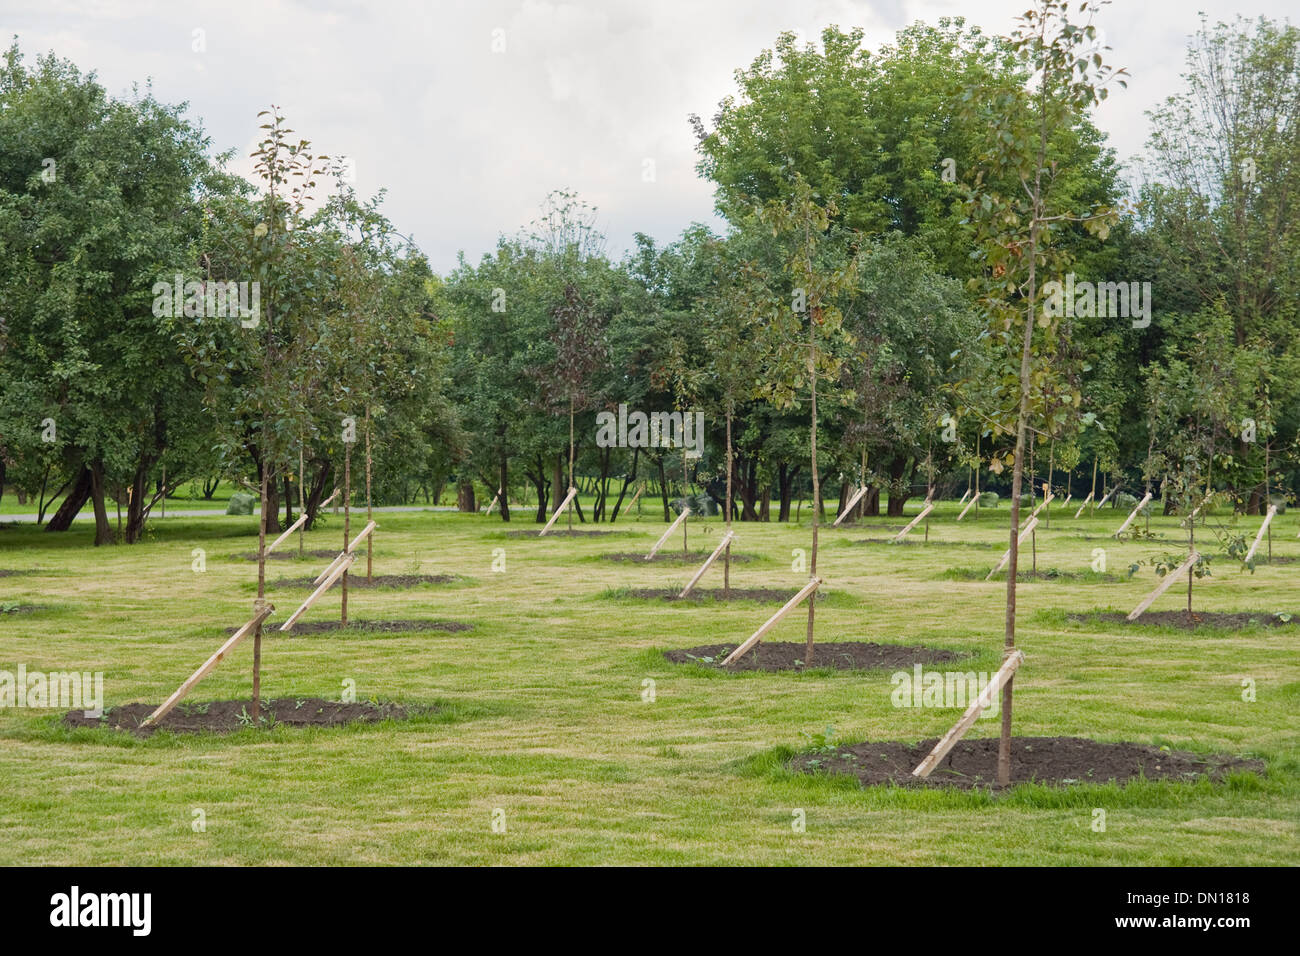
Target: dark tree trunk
column 539, row 482
column 663, row 487
column 504, row 484
column 72, row 505
column 899, row 491
column 316, row 493
column 627, row 481
column 465, row 497
column 871, row 502
column 785, row 479
column 103, row 532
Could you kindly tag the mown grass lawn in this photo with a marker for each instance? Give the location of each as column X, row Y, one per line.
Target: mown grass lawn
column 544, row 718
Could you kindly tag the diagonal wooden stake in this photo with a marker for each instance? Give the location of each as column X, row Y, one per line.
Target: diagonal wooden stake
column 493, row 503
column 671, row 528
column 690, row 585
column 370, row 526
column 1272, row 511
column 1030, row 525
column 298, row 524
column 1129, row 520
column 165, row 707
column 1084, row 505
column 325, row 585
column 969, row 506
column 1163, row 586
column 949, row 740
column 857, row 496
column 559, row 511
column 754, row 638
column 929, row 506
column 965, row 495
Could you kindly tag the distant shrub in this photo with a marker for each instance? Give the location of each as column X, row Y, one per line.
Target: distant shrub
column 241, row 504
column 988, row 499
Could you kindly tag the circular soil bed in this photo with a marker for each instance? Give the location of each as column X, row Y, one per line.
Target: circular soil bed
column 699, row 595
column 225, row 716
column 388, row 627
column 694, row 558
column 787, row 656
column 972, row 763
column 13, row 572
column 910, row 542
column 290, row 555
column 1234, row 620
column 356, row 580
column 560, row 534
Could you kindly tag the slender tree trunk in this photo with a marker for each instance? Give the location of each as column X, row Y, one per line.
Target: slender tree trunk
column 103, row 530
column 726, row 560
column 347, row 522
column 261, row 594
column 566, row 490
column 816, row 480
column 370, row 551
column 302, row 492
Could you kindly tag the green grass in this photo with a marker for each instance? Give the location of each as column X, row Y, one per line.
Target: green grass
column 541, row 710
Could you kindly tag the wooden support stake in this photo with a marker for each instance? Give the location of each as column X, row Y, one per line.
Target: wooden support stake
column 1043, row 504
column 671, row 528
column 857, row 496
column 1106, row 497
column 965, row 495
column 639, row 488
column 559, row 511
column 343, row 554
column 959, row 729
column 365, row 532
column 290, row 530
column 493, row 503
column 1030, row 525
column 208, row 665
column 1272, row 510
column 690, row 585
column 969, row 505
column 929, row 506
column 1084, row 505
column 348, row 558
column 1129, row 520
column 1066, row 502
column 754, row 638
column 1163, row 586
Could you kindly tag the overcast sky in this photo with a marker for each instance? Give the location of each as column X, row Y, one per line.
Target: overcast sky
column 468, row 137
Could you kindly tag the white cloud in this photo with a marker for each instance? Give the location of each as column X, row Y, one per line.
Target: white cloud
column 469, row 141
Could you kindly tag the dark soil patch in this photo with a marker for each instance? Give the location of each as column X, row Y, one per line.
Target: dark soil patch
column 560, row 534
column 13, row 572
column 674, row 557
column 1047, row 574
column 225, row 716
column 699, row 595
column 356, row 580
column 388, row 627
column 20, row 609
column 1230, row 620
column 787, row 656
column 290, row 555
column 913, row 540
column 972, row 763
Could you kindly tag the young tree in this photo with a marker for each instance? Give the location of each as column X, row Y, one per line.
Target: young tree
column 1015, row 230
column 803, row 339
